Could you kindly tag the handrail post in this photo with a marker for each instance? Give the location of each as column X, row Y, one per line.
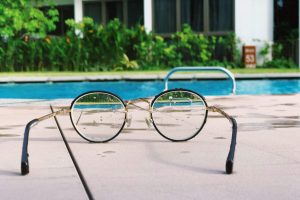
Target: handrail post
column 206, row 68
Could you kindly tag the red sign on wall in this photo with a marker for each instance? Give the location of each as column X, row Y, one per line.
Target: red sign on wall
column 249, row 56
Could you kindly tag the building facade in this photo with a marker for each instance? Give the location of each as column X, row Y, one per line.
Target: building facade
column 251, row 20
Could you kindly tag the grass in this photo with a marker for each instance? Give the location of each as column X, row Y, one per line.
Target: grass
column 68, row 73
column 262, row 70
column 149, row 72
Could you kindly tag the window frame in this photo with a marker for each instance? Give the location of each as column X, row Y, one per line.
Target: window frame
column 206, row 19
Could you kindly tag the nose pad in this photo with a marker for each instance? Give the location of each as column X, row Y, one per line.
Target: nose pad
column 128, row 121
column 148, row 122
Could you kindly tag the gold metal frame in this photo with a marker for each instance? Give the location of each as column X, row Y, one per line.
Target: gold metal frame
column 62, row 111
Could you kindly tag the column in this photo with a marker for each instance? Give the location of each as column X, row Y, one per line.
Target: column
column 148, row 15
column 78, row 10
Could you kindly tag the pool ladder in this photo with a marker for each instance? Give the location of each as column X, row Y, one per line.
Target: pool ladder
column 204, row 68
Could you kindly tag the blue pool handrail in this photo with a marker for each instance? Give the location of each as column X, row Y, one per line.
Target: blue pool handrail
column 203, row 68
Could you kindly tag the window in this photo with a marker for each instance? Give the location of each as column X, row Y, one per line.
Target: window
column 165, row 16
column 114, row 9
column 206, row 16
column 93, row 10
column 192, row 14
column 130, row 12
column 135, row 12
column 221, row 15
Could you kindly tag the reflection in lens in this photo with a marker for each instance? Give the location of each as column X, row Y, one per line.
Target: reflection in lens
column 179, row 115
column 98, row 116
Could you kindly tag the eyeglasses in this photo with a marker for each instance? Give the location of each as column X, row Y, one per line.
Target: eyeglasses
column 100, row 116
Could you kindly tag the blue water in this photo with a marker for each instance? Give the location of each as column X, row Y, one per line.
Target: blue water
column 131, row 89
column 99, row 106
column 177, row 104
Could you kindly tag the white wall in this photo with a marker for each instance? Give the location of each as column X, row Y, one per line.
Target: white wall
column 254, row 23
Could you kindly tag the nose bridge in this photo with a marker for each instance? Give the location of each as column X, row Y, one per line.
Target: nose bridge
column 127, row 116
column 133, row 108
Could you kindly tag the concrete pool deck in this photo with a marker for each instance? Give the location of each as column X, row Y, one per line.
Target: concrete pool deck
column 140, row 164
column 144, row 77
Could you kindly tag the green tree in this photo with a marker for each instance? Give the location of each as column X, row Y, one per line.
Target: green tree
column 21, row 17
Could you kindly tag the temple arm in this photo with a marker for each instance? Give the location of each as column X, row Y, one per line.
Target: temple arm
column 230, row 157
column 24, row 158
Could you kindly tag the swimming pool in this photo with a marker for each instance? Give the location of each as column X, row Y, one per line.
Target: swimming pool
column 136, row 89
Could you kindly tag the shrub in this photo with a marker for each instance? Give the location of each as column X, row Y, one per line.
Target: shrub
column 191, row 47
column 20, row 17
column 154, row 52
column 231, row 55
column 279, row 63
column 91, row 47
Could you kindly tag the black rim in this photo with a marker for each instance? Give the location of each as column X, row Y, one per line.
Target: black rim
column 86, row 138
column 184, row 90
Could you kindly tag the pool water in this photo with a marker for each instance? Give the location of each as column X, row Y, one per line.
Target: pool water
column 136, row 89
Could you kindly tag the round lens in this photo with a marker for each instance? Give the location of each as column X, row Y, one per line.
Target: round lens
column 98, row 116
column 179, row 115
